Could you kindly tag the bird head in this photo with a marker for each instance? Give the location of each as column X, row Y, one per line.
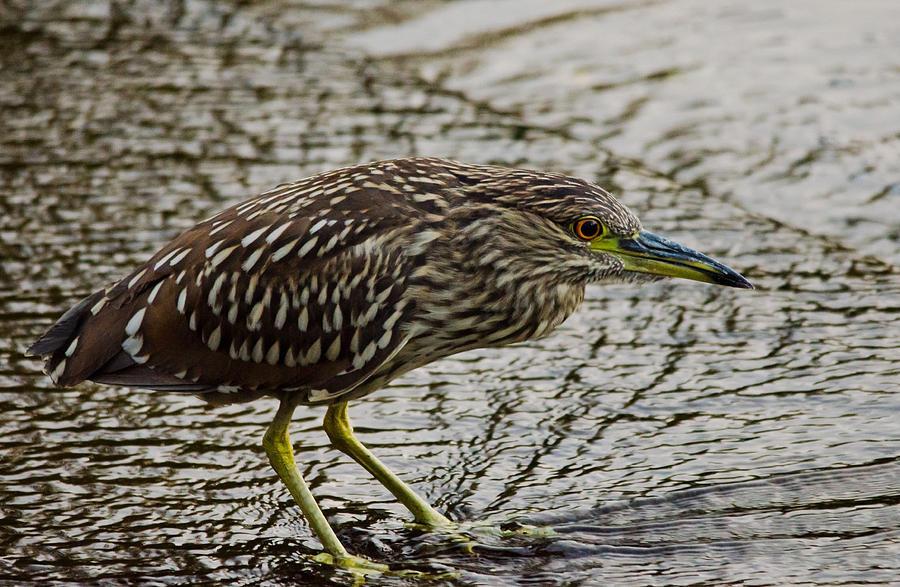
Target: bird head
column 578, row 231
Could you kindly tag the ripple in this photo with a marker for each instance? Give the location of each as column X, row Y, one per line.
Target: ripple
column 672, row 434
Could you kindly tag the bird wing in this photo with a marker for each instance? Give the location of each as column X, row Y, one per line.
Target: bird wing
column 285, row 291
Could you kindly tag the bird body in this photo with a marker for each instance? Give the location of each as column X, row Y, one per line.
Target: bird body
column 338, row 283
column 326, row 289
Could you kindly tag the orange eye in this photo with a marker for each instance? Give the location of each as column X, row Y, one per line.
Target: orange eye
column 588, row 228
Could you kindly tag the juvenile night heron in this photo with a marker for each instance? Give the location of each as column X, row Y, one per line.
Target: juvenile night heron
column 324, row 290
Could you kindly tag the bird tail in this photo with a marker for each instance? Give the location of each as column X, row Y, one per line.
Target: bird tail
column 81, row 341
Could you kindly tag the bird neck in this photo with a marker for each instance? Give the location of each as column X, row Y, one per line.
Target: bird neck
column 466, row 301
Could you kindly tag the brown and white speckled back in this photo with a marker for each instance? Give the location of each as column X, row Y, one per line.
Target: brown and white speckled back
column 337, row 283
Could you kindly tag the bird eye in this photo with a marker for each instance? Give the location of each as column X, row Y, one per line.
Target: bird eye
column 588, row 228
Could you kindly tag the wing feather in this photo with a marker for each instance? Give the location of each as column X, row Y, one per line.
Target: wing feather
column 303, row 287
column 314, row 303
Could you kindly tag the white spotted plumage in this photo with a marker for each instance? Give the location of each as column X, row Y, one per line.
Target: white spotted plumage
column 134, row 323
column 221, row 256
column 174, row 261
column 314, row 352
column 283, row 251
column 251, row 260
column 137, row 277
column 214, row 338
column 340, row 282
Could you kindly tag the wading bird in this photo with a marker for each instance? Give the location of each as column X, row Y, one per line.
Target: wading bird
column 324, row 290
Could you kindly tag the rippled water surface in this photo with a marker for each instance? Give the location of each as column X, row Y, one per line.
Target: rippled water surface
column 672, row 434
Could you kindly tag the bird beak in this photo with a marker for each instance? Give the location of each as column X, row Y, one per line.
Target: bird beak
column 649, row 253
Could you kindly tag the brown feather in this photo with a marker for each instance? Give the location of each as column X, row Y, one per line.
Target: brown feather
column 334, row 284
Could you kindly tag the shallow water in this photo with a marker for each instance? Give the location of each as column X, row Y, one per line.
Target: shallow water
column 672, row 434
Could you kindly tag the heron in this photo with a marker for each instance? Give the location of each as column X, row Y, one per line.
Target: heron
column 321, row 291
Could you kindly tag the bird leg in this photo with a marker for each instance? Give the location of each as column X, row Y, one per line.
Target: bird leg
column 277, row 443
column 337, row 426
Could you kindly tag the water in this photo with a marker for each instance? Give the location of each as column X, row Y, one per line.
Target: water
column 673, row 434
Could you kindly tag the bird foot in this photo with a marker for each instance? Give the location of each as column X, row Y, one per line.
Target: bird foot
column 466, row 535
column 447, row 529
column 361, row 568
column 355, row 564
column 444, row 525
column 516, row 529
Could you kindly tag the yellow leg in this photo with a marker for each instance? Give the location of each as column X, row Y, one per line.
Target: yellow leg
column 277, row 443
column 337, row 426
